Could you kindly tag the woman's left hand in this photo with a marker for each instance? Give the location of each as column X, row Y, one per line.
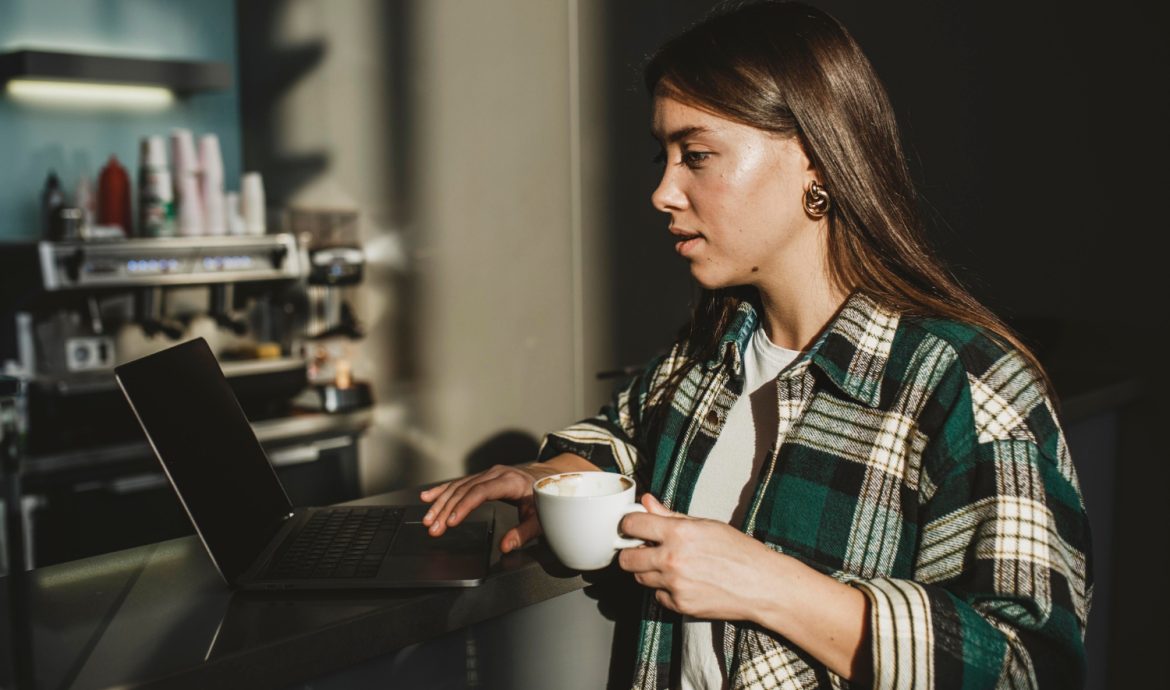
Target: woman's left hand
column 700, row 568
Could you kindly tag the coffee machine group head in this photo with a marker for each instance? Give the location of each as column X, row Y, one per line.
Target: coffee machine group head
column 333, row 273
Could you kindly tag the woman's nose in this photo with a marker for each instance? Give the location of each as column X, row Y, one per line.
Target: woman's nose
column 667, row 196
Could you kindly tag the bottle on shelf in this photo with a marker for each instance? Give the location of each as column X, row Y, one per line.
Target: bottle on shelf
column 156, row 193
column 52, row 200
column 114, row 196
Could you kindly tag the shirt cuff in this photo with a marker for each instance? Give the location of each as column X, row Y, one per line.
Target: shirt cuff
column 595, row 444
column 901, row 633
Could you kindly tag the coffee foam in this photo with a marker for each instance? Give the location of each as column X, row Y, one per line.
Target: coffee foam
column 584, row 484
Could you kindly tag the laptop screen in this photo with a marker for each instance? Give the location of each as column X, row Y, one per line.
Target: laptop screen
column 208, row 449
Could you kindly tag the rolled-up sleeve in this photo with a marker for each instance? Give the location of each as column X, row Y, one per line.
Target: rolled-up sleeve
column 1002, row 586
column 615, row 438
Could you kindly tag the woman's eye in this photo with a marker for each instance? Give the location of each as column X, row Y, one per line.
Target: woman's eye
column 695, row 159
column 691, row 159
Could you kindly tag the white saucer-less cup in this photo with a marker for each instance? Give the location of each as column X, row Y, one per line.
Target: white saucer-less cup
column 580, row 513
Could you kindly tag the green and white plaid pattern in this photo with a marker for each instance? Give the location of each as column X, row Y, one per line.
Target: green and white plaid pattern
column 917, row 460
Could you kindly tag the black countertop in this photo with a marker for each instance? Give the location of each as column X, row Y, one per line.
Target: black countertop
column 160, row 615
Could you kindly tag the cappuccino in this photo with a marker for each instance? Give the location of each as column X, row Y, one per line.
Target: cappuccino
column 584, row 484
column 580, row 513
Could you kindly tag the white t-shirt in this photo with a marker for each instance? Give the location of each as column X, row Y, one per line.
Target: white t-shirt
column 724, row 489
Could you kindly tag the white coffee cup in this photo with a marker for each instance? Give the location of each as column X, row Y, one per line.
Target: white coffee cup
column 580, row 513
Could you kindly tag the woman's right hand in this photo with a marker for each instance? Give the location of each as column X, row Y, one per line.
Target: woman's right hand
column 452, row 501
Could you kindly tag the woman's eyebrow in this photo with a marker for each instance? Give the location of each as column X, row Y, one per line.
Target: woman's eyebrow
column 681, row 133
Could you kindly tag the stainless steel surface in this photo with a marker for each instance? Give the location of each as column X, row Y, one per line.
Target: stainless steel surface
column 168, row 261
column 97, row 381
column 26, row 351
column 89, row 353
column 260, row 366
column 309, row 452
column 275, row 430
column 27, row 505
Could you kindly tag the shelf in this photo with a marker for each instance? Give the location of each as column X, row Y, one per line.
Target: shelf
column 151, row 262
column 181, row 76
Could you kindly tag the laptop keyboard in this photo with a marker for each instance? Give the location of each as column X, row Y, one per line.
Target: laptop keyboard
column 338, row 543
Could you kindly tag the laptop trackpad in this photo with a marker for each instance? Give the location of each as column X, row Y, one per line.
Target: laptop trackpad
column 413, row 540
column 458, row 558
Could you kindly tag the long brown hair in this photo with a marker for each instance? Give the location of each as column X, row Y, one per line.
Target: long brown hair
column 793, row 70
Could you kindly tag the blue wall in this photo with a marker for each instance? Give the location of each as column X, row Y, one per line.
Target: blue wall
column 34, row 139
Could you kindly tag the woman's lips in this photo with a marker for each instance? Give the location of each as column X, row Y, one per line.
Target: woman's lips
column 686, row 242
column 687, row 246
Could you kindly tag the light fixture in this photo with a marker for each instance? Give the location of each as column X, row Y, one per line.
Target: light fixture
column 83, row 79
column 86, row 93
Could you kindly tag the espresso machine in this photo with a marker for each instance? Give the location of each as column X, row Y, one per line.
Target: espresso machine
column 72, row 310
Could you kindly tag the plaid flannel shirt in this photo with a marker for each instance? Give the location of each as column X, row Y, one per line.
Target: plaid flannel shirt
column 916, row 460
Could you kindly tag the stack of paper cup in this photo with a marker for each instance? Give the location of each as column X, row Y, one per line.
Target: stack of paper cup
column 252, row 201
column 211, row 184
column 233, row 219
column 187, row 194
column 190, row 214
column 183, row 152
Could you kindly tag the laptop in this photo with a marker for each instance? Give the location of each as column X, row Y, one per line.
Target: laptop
column 254, row 535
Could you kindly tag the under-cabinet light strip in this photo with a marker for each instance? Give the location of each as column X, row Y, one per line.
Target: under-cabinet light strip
column 90, row 93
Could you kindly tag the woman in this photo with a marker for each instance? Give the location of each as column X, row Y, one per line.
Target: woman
column 853, row 471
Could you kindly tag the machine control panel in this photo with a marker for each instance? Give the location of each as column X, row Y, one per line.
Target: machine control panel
column 168, row 261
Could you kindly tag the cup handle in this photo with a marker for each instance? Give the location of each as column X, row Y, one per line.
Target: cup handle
column 628, row 542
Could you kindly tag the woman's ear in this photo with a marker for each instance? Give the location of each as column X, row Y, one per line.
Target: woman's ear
column 807, row 163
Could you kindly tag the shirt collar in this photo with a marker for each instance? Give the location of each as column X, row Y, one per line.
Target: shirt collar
column 852, row 350
column 736, row 338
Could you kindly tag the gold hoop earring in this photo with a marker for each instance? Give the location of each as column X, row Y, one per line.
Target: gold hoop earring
column 816, row 201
